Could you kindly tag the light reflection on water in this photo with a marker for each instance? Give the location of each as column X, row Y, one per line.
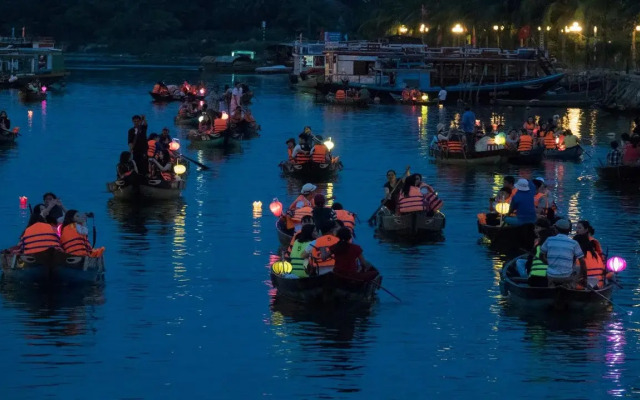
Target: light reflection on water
column 187, row 293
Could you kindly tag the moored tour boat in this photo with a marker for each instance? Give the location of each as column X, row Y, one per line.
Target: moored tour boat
column 413, row 225
column 620, row 173
column 312, row 171
column 274, row 69
column 557, row 298
column 327, row 289
column 413, row 102
column 347, row 101
column 147, row 189
column 52, row 266
column 572, row 154
column 30, row 95
column 167, row 97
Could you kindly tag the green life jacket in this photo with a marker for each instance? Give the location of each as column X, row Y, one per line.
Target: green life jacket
column 538, row 268
column 297, row 262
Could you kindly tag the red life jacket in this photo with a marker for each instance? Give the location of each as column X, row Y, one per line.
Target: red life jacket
column 454, row 146
column 151, row 148
column 302, row 157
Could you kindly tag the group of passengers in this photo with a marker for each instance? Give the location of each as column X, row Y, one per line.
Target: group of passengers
column 630, row 153
column 310, row 148
column 409, row 194
column 51, row 225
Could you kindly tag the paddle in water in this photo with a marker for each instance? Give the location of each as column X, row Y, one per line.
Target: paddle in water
column 195, row 162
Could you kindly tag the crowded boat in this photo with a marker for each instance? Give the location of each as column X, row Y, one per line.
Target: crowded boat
column 310, row 158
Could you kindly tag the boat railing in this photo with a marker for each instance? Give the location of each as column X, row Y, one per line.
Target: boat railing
column 360, row 79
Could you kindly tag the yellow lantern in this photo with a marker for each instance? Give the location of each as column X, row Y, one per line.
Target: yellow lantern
column 329, row 144
column 425, row 97
column 281, row 267
column 502, row 208
column 201, row 118
column 500, row 140
column 179, row 169
column 224, row 115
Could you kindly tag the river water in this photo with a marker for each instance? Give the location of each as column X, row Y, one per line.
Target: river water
column 188, row 308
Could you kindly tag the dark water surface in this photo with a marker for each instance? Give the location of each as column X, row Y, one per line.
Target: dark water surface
column 187, row 309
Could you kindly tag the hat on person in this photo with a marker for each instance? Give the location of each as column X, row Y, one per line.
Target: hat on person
column 308, row 188
column 522, row 185
column 440, row 127
column 563, row 224
column 539, row 179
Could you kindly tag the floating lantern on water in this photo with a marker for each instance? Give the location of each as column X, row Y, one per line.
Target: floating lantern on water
column 30, row 114
column 23, row 202
column 276, row 207
column 502, row 208
column 225, row 115
column 257, row 205
column 44, row 89
column 201, row 118
column 179, row 169
column 557, row 140
column 174, row 145
column 616, row 264
column 281, row 267
column 419, row 120
column 329, row 144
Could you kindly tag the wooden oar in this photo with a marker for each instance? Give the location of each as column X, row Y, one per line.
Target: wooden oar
column 372, row 219
column 194, row 161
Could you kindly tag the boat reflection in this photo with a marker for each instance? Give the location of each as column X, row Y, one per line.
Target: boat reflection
column 53, row 312
column 134, row 217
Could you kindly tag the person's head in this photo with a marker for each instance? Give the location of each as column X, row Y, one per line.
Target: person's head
column 409, row 182
column 125, row 157
column 154, row 136
column 48, row 198
column 337, row 206
column 584, row 228
column 509, row 181
column 522, row 185
column 543, row 230
column 291, row 143
column 36, row 215
column 319, row 200
column 307, row 233
column 391, row 175
column 568, row 132
column 328, row 229
column 544, row 126
column 306, row 220
column 74, row 216
column 302, row 138
column 165, row 131
column 307, row 189
column 344, row 234
column 3, row 114
column 530, row 119
column 513, row 133
column 625, row 137
column 136, row 120
column 504, row 192
column 614, row 145
column 539, row 183
column 163, row 155
column 563, row 226
column 523, row 132
column 556, row 118
column 585, row 243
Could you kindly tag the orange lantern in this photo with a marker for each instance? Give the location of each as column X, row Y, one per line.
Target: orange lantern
column 174, row 145
column 276, row 207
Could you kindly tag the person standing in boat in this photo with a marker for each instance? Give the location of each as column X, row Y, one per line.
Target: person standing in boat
column 165, row 139
column 614, row 156
column 5, row 122
column 348, row 259
column 160, row 166
column 137, row 139
column 559, row 252
column 468, row 125
column 305, row 199
column 522, row 205
column 236, row 97
column 53, row 209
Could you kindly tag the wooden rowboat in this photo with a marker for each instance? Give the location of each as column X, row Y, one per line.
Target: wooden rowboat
column 620, row 173
column 283, row 237
column 224, row 140
column 414, row 225
column 52, row 267
column 532, row 157
column 327, row 289
column 490, row 157
column 187, row 120
column 146, row 190
column 8, row 136
column 506, row 239
column 557, row 298
column 572, row 154
column 311, row 171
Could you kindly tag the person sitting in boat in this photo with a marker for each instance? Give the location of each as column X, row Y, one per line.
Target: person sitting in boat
column 348, row 259
column 455, row 142
column 248, row 118
column 559, row 252
column 525, row 142
column 39, row 235
column 5, row 122
column 74, row 236
column 291, row 143
column 556, row 123
column 631, row 152
column 511, row 142
column 530, row 125
column 323, row 217
column 406, row 94
column 186, row 109
column 302, row 152
column 319, row 152
column 160, row 166
column 492, row 218
column 126, row 168
column 570, row 140
column 510, row 183
column 300, row 243
column 392, row 182
column 318, row 251
column 305, row 199
column 165, row 139
column 417, row 196
column 152, row 145
column 548, row 139
column 53, row 209
column 522, row 205
column 205, row 126
column 535, row 268
column 583, row 227
column 614, row 156
column 347, row 218
column 306, row 220
column 545, row 207
column 157, row 88
column 594, row 264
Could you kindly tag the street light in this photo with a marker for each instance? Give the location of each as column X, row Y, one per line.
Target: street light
column 497, row 28
column 424, row 28
column 402, row 30
column 457, row 30
column 574, row 28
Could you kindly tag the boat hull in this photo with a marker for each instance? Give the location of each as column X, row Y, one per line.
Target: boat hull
column 621, row 173
column 506, row 239
column 283, row 237
column 572, row 154
column 222, row 141
column 491, row 157
column 148, row 190
column 7, row 137
column 410, row 226
column 311, row 171
column 52, row 267
column 550, row 298
column 533, row 157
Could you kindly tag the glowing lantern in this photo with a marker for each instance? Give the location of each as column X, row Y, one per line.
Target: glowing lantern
column 502, row 208
column 494, row 127
column 23, row 202
column 174, row 145
column 257, row 205
column 419, row 120
column 329, row 144
column 201, row 118
column 44, row 89
column 202, row 91
column 276, row 207
column 499, row 140
column 616, row 264
column 29, row 113
column 225, row 115
column 557, row 140
column 201, row 103
column 281, row 267
column 59, row 230
column 179, row 169
column 425, row 97
column 477, row 122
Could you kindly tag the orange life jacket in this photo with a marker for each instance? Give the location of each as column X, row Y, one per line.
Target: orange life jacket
column 290, row 153
column 549, row 140
column 320, row 254
column 151, row 148
column 347, row 218
column 156, row 88
column 219, row 125
column 319, row 154
column 412, row 203
column 301, row 212
column 595, row 268
column 536, row 199
column 454, row 146
column 341, row 95
column 73, row 242
column 530, row 126
column 303, row 199
column 39, row 237
column 302, row 157
column 525, row 143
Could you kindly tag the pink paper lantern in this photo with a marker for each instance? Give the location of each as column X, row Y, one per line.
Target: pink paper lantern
column 616, row 264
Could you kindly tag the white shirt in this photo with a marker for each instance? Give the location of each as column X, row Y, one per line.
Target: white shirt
column 442, row 95
column 296, row 150
column 482, row 144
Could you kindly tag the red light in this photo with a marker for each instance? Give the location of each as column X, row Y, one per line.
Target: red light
column 174, row 146
column 276, row 207
column 44, row 89
column 23, row 202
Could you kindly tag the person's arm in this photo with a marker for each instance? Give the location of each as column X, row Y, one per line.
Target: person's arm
column 307, row 251
column 543, row 252
column 295, row 151
column 583, row 268
column 131, row 139
column 407, row 171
